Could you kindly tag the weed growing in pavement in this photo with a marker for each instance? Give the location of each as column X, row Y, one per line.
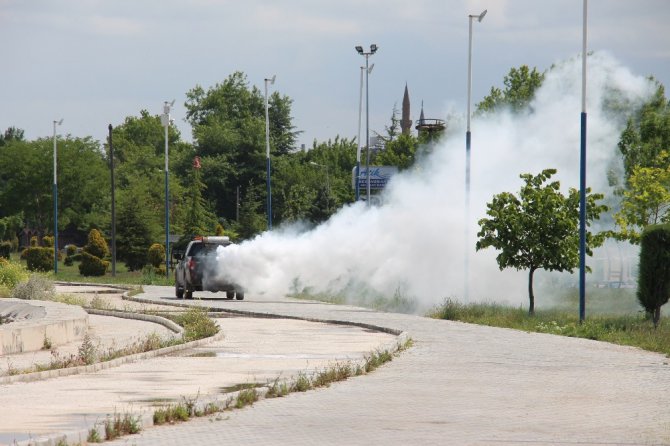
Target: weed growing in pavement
column 100, row 303
column 88, row 351
column 246, row 397
column 301, row 384
column 119, row 425
column 277, row 389
column 46, row 344
column 94, row 436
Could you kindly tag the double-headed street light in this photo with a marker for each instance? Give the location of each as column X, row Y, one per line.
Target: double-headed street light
column 468, row 136
column 267, row 150
column 55, row 199
column 357, row 186
column 367, row 54
column 165, row 120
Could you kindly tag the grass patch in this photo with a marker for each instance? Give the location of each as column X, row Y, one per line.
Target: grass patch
column 197, row 324
column 632, row 329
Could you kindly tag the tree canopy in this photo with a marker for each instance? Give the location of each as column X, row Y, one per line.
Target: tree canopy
column 538, row 229
column 520, row 86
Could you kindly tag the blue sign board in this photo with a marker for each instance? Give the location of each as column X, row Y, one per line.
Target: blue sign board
column 379, row 177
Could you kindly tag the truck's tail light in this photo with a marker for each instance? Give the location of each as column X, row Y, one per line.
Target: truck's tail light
column 191, row 264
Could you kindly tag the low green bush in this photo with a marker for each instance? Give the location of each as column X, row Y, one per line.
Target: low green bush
column 70, row 250
column 156, row 255
column 5, row 249
column 11, row 274
column 91, row 265
column 39, row 259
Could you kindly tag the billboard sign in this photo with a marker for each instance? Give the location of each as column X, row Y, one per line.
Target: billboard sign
column 379, row 177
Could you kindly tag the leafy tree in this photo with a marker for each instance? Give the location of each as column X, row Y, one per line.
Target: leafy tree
column 26, row 181
column 401, row 152
column 653, row 288
column 228, row 123
column 646, row 200
column 539, row 228
column 11, row 134
column 392, row 129
column 520, row 86
column 647, row 135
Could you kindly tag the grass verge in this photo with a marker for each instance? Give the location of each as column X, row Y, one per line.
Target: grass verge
column 632, row 330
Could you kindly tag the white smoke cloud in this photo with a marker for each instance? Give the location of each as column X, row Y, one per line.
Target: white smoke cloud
column 416, row 241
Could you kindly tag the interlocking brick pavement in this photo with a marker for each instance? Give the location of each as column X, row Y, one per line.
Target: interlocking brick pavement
column 460, row 384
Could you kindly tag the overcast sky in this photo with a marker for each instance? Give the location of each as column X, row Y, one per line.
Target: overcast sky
column 94, row 62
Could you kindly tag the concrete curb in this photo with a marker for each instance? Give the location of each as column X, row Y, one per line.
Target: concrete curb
column 214, row 310
column 167, row 323
column 47, row 374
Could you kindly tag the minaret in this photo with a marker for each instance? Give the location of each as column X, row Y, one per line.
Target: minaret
column 421, row 118
column 405, row 122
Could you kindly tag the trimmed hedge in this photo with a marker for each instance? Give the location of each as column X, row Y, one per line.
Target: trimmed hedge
column 38, row 258
column 92, row 265
column 653, row 283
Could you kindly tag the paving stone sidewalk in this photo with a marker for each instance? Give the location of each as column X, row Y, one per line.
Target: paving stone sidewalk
column 459, row 385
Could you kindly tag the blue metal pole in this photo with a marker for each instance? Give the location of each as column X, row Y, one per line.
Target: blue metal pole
column 582, row 182
column 582, row 221
column 269, row 187
column 167, row 195
column 55, row 192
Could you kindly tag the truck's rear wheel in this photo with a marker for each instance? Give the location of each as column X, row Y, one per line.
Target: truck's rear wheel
column 230, row 294
column 189, row 294
column 179, row 291
column 239, row 295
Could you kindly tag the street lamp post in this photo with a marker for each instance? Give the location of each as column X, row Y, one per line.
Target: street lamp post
column 111, row 167
column 373, row 49
column 267, row 151
column 165, row 120
column 55, row 199
column 358, row 152
column 582, row 182
column 468, row 137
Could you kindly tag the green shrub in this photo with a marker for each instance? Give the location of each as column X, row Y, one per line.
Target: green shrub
column 219, row 230
column 96, row 246
column 38, row 258
column 11, row 274
column 92, row 265
column 5, row 249
column 34, row 242
column 70, row 250
column 48, row 241
column 196, row 323
column 156, row 255
column 68, row 261
column 653, row 283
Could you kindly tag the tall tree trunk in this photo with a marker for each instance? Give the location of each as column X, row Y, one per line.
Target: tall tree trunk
column 657, row 316
column 531, row 296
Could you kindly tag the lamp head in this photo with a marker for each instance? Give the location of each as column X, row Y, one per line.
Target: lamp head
column 359, row 49
column 481, row 16
column 370, row 69
column 272, row 81
column 59, row 122
column 373, row 48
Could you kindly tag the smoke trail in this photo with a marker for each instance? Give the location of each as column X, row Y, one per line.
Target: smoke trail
column 416, row 241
